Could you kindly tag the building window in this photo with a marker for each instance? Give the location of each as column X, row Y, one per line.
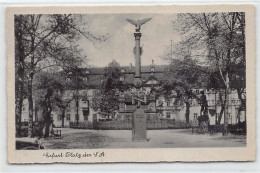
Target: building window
column 96, row 92
column 94, row 117
column 229, row 115
column 218, row 102
column 68, row 117
column 68, row 107
column 85, row 114
column 168, row 103
column 233, row 101
column 152, row 68
column 85, row 103
column 190, row 102
column 85, row 79
column 195, row 115
column 23, row 108
column 122, row 78
column 76, row 117
column 168, row 115
column 197, row 91
column 213, row 102
column 68, row 79
column 59, row 117
column 122, row 105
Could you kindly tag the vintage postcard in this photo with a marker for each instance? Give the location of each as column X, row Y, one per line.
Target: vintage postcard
column 163, row 83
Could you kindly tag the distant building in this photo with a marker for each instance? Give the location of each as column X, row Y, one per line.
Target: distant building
column 162, row 108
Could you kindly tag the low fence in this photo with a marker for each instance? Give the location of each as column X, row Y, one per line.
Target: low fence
column 82, row 125
column 127, row 125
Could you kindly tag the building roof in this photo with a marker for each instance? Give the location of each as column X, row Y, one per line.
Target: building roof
column 94, row 76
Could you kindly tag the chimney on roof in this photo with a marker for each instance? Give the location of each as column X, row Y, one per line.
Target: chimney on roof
column 131, row 65
column 152, row 62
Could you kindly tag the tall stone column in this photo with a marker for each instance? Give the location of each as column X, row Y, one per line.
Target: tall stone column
column 137, row 51
column 137, row 55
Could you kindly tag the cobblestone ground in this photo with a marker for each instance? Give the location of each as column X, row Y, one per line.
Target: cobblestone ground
column 84, row 139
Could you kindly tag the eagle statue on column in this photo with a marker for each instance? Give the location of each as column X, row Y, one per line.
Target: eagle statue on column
column 138, row 23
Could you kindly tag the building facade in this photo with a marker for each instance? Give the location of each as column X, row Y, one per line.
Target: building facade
column 161, row 108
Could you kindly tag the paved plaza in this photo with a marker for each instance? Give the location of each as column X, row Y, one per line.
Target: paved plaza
column 175, row 138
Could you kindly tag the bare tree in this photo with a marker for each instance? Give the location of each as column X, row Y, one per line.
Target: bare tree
column 19, row 70
column 48, row 41
column 217, row 34
column 181, row 76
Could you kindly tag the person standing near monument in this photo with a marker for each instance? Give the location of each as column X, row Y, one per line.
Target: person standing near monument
column 204, row 103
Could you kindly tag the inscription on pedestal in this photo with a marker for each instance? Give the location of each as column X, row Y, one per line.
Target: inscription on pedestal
column 139, row 125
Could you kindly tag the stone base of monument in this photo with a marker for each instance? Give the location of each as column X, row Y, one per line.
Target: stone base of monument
column 139, row 126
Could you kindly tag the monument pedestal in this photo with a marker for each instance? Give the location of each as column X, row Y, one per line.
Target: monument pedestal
column 139, row 126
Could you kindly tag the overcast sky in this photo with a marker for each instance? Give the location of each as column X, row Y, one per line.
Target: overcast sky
column 156, row 38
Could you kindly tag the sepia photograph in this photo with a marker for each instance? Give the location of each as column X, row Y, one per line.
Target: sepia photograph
column 129, row 81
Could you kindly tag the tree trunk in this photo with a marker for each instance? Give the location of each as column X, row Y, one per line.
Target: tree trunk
column 187, row 113
column 47, row 119
column 239, row 94
column 19, row 103
column 19, row 82
column 47, row 123
column 225, row 130
column 221, row 113
column 222, row 108
column 63, row 116
column 30, row 93
column 47, row 129
column 30, row 100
